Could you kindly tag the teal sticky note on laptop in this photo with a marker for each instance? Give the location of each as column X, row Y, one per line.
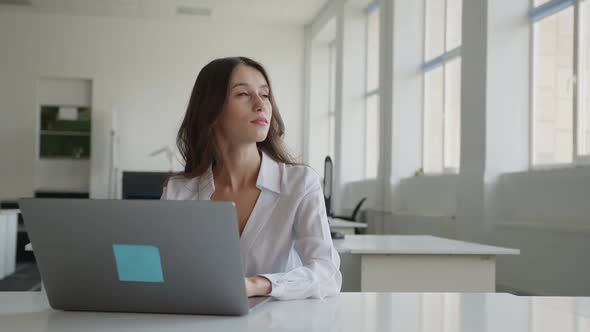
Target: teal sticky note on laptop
column 138, row 263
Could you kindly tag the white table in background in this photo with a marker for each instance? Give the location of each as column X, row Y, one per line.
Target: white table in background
column 345, row 226
column 8, row 234
column 408, row 312
column 417, row 263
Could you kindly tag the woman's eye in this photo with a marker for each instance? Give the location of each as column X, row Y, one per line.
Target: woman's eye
column 265, row 96
column 242, row 94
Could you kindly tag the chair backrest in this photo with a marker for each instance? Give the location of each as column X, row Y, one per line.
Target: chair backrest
column 357, row 208
column 143, row 185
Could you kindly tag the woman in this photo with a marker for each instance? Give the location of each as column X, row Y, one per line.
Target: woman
column 231, row 142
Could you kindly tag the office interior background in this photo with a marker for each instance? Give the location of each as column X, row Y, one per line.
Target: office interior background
column 467, row 120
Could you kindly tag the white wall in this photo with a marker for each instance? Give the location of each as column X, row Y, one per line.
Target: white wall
column 434, row 195
column 62, row 175
column 143, row 68
column 18, row 113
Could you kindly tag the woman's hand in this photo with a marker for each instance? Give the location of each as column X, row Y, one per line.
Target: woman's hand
column 257, row 286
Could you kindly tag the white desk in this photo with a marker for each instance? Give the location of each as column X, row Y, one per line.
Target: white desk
column 408, row 312
column 345, row 226
column 8, row 233
column 417, row 263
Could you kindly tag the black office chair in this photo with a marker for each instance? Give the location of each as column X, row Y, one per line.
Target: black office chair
column 328, row 166
column 355, row 212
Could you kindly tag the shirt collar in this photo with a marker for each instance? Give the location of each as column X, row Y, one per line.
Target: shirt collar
column 206, row 185
column 269, row 178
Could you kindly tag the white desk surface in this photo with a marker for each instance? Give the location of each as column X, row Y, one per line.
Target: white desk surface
column 335, row 222
column 408, row 312
column 415, row 245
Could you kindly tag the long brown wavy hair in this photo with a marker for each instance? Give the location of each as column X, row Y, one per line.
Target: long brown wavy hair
column 196, row 139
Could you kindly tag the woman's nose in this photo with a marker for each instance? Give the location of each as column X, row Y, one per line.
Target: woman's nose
column 258, row 104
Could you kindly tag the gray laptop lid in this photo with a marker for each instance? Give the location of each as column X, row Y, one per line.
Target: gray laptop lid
column 180, row 257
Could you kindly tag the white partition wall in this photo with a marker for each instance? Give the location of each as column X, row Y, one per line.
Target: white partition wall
column 8, row 229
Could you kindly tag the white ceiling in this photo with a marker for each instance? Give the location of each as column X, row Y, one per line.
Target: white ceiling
column 295, row 12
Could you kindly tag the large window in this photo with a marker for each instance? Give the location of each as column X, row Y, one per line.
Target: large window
column 560, row 101
column 584, row 87
column 320, row 127
column 372, row 94
column 442, row 86
column 332, row 100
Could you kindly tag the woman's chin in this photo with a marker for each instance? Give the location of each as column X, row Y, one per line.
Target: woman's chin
column 261, row 139
column 254, row 139
column 261, row 136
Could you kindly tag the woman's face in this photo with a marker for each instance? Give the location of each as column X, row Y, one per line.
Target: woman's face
column 247, row 111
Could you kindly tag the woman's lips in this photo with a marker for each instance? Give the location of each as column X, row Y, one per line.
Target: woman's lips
column 260, row 121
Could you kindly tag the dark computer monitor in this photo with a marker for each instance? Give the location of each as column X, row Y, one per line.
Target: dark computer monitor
column 143, row 185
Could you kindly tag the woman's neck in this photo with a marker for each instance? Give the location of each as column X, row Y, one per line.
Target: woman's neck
column 237, row 168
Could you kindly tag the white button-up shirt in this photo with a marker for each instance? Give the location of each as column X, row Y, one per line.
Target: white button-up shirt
column 287, row 236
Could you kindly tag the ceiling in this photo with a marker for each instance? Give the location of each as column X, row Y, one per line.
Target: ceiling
column 293, row 12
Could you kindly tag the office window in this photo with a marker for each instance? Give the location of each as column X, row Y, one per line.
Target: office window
column 435, row 28
column 584, row 95
column 442, row 86
column 372, row 94
column 559, row 101
column 320, row 127
column 452, row 123
column 332, row 101
column 433, row 112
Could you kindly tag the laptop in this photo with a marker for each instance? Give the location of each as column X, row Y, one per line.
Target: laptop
column 144, row 256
